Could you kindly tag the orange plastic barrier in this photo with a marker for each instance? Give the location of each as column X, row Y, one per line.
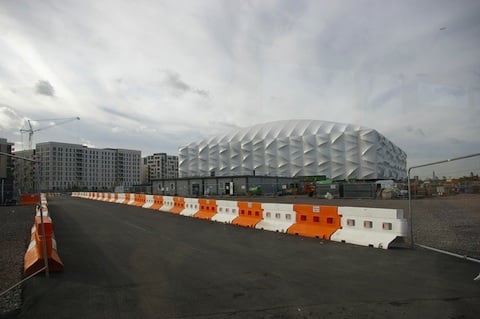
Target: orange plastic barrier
column 178, row 205
column 250, row 214
column 157, row 202
column 140, row 200
column 315, row 221
column 33, row 260
column 127, row 199
column 208, row 209
column 29, row 199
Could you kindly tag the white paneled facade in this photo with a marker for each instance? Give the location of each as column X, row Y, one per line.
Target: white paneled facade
column 296, row 148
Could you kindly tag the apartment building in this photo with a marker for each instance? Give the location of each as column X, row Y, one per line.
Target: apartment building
column 159, row 166
column 65, row 167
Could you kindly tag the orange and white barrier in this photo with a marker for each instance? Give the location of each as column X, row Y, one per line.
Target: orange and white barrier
column 277, row 217
column 250, row 214
column 315, row 221
column 139, row 200
column 157, row 202
column 29, row 199
column 226, row 211
column 208, row 208
column 34, row 256
column 148, row 201
column 121, row 198
column 191, row 207
column 375, row 227
column 113, row 197
column 178, row 205
column 167, row 204
column 131, row 198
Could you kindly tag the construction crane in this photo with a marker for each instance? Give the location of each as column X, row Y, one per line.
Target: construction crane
column 53, row 122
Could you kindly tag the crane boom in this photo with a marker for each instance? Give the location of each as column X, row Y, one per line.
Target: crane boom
column 54, row 122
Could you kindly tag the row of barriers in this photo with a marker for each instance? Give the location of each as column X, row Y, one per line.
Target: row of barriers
column 374, row 227
column 42, row 237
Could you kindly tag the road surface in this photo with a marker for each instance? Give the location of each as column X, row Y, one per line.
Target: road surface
column 129, row 262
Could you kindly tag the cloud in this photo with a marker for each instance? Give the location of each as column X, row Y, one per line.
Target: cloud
column 9, row 119
column 139, row 78
column 44, row 88
column 178, row 87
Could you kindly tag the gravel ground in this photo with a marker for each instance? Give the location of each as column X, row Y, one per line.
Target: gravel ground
column 15, row 225
column 448, row 223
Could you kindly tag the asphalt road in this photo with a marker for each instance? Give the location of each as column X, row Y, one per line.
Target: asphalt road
column 128, row 262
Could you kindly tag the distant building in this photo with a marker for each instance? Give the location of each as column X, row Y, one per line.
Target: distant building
column 296, row 148
column 159, row 166
column 6, row 177
column 24, row 180
column 67, row 167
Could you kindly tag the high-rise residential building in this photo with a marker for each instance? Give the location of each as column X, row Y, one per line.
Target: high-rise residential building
column 159, row 166
column 6, row 177
column 65, row 167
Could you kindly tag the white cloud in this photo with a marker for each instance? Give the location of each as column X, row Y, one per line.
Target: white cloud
column 154, row 75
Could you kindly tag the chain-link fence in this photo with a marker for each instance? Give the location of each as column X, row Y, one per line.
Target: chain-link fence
column 444, row 205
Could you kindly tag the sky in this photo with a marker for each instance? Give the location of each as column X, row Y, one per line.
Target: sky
column 156, row 75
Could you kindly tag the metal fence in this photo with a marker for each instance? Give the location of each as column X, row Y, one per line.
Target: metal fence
column 444, row 206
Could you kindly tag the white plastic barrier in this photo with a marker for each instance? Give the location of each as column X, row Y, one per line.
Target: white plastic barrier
column 121, row 198
column 277, row 217
column 191, row 207
column 226, row 211
column 377, row 227
column 112, row 198
column 148, row 201
column 43, row 208
column 167, row 203
column 105, row 197
column 132, row 199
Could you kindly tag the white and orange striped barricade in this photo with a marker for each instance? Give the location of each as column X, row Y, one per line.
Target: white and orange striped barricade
column 120, row 198
column 208, row 209
column 148, row 201
column 191, row 207
column 157, row 202
column 374, row 227
column 277, row 217
column 167, row 204
column 315, row 221
column 178, row 205
column 249, row 214
column 131, row 198
column 34, row 256
column 227, row 211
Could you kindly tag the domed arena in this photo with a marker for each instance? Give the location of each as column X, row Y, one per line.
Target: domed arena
column 293, row 148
